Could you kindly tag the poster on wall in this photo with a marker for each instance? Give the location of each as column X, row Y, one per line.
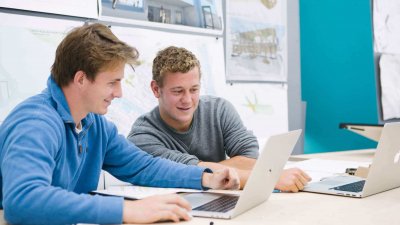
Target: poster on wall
column 389, row 80
column 187, row 14
column 129, row 9
column 386, row 19
column 256, row 41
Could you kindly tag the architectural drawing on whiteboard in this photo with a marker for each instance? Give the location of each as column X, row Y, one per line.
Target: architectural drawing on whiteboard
column 25, row 60
column 256, row 107
column 256, row 41
column 28, row 45
column 136, row 100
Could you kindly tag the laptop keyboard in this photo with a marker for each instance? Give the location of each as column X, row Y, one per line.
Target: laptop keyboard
column 352, row 187
column 222, row 204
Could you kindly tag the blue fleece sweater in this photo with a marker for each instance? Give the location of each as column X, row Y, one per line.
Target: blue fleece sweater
column 47, row 168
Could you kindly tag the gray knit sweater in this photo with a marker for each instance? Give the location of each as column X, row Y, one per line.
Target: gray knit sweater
column 215, row 133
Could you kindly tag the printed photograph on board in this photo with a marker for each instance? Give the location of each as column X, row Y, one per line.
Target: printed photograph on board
column 256, row 41
column 197, row 13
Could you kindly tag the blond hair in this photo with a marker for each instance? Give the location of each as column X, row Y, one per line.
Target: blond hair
column 171, row 60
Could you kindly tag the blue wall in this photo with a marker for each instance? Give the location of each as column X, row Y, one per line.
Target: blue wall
column 337, row 72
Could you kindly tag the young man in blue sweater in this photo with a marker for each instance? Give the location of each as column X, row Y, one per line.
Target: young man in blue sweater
column 54, row 145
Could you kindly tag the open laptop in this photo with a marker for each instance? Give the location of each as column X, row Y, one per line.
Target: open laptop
column 383, row 175
column 259, row 186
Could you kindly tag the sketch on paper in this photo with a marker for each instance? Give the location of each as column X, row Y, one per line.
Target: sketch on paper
column 386, row 17
column 390, row 82
column 256, row 107
column 386, row 26
column 256, row 40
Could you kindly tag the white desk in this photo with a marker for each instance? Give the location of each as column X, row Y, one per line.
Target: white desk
column 308, row 208
column 354, row 155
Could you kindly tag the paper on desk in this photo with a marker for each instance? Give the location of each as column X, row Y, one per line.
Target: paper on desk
column 139, row 192
column 318, row 169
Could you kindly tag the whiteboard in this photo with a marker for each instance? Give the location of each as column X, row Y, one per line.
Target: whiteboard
column 28, row 53
column 28, row 46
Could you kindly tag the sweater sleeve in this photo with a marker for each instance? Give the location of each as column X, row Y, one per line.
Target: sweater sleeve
column 129, row 163
column 237, row 139
column 29, row 153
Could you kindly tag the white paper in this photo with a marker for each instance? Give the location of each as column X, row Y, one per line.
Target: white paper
column 390, row 83
column 386, row 26
column 139, row 192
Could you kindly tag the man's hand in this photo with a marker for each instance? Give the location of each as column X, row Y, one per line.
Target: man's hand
column 243, row 166
column 170, row 207
column 226, row 178
column 292, row 180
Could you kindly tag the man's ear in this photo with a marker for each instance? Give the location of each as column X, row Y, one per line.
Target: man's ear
column 80, row 78
column 155, row 88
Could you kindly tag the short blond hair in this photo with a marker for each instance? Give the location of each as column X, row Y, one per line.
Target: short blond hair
column 171, row 60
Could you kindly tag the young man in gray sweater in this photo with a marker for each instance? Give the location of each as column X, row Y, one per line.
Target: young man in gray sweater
column 195, row 130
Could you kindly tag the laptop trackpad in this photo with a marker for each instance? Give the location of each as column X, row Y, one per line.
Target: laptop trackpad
column 198, row 199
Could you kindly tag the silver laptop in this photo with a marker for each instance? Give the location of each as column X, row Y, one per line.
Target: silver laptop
column 259, row 186
column 383, row 175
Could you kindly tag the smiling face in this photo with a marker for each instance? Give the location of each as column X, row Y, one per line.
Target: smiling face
column 98, row 94
column 178, row 98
